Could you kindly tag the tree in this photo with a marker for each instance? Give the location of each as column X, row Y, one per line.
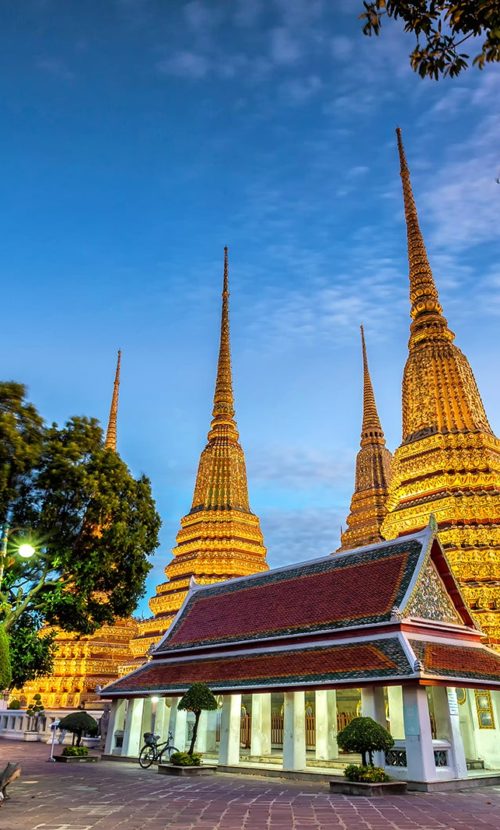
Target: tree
column 441, row 27
column 32, row 652
column 92, row 523
column 34, row 712
column 197, row 699
column 366, row 736
column 5, row 662
column 80, row 724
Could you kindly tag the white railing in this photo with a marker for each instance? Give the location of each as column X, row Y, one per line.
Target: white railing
column 15, row 724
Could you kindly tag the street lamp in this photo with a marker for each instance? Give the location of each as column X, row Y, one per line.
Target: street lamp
column 26, row 550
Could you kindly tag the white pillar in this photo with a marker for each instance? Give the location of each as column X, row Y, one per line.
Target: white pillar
column 160, row 719
column 177, row 725
column 132, row 739
column 229, row 747
column 395, row 698
column 260, row 739
column 448, row 727
column 418, row 736
column 373, row 706
column 326, row 725
column 112, row 725
column 211, row 739
column 294, row 731
column 201, row 738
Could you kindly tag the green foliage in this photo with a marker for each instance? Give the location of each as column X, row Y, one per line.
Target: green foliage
column 367, row 775
column 5, row 663
column 366, row 736
column 14, row 704
column 440, row 27
column 75, row 751
column 32, row 654
column 35, row 711
column 92, row 523
column 80, row 724
column 186, row 759
column 197, row 699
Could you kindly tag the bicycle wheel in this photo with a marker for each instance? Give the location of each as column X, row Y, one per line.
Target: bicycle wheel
column 168, row 751
column 147, row 756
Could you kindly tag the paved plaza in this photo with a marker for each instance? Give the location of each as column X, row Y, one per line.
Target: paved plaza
column 114, row 796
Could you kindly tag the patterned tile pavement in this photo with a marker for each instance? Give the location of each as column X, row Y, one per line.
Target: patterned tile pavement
column 113, row 796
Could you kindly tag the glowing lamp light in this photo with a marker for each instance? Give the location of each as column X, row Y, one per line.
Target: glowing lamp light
column 155, row 699
column 26, row 550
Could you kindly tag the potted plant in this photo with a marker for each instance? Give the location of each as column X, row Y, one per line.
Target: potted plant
column 79, row 724
column 366, row 736
column 35, row 713
column 197, row 699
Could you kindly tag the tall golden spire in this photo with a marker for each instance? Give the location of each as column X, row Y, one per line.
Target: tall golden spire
column 110, row 442
column 223, row 411
column 425, row 306
column 373, row 468
column 449, row 460
column 371, row 429
column 220, row 537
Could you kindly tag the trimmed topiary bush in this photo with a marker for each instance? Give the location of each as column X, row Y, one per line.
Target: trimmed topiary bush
column 197, row 699
column 184, row 759
column 14, row 704
column 366, row 736
column 35, row 711
column 75, row 751
column 80, row 724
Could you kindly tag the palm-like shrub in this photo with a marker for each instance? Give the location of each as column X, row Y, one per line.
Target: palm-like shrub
column 366, row 736
column 80, row 724
column 197, row 699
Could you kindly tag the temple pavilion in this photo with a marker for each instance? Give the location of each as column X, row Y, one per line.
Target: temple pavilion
column 400, row 624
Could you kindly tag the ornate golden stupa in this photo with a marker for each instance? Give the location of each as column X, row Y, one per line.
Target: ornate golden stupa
column 220, row 537
column 84, row 662
column 448, row 462
column 373, row 473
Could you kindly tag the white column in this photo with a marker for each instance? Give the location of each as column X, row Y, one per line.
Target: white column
column 373, row 706
column 395, row 698
column 160, row 719
column 147, row 716
column 211, row 739
column 294, row 731
column 112, row 725
column 229, row 747
column 448, row 727
column 201, row 738
column 177, row 725
column 260, row 739
column 132, row 739
column 418, row 736
column 326, row 725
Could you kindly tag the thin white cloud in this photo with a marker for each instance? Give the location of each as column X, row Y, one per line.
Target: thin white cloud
column 185, row 64
column 296, row 535
column 284, row 47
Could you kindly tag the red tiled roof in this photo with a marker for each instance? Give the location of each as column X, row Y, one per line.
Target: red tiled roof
column 330, row 593
column 293, row 667
column 458, row 661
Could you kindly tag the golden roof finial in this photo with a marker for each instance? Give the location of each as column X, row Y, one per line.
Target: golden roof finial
column 223, row 411
column 425, row 306
column 110, row 442
column 371, row 430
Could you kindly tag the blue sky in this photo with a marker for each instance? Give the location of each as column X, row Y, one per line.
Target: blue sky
column 139, row 137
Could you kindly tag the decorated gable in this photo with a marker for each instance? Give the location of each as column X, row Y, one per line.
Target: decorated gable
column 430, row 599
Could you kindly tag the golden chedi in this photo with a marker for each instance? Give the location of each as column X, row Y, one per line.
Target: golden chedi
column 448, row 462
column 83, row 663
column 220, row 537
column 373, row 472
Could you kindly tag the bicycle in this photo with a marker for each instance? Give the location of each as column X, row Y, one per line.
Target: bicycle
column 152, row 751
